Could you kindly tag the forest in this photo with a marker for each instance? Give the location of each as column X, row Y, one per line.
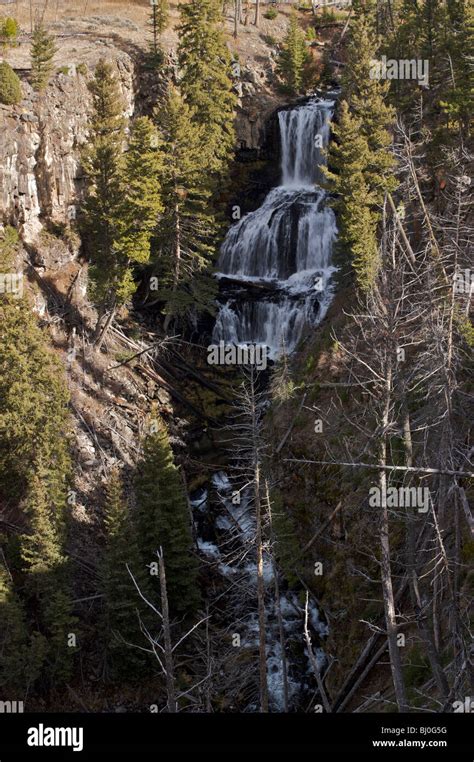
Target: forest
column 235, row 361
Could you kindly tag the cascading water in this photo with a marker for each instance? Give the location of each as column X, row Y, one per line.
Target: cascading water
column 279, row 256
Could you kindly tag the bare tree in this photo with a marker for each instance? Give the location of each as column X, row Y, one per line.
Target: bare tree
column 161, row 644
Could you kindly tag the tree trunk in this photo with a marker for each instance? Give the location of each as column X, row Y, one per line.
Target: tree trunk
column 101, row 332
column 257, row 13
column 386, row 572
column 421, row 618
column 236, row 18
column 177, row 261
column 169, row 665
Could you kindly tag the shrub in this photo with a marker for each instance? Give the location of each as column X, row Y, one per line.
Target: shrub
column 9, row 31
column 10, row 85
column 270, row 14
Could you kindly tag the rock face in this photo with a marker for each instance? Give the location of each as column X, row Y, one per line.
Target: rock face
column 257, row 101
column 40, row 141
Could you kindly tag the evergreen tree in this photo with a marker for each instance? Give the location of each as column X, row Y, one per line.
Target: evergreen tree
column 206, row 81
column 34, row 465
column 366, row 97
column 356, row 202
column 123, row 201
column 294, row 55
column 21, row 655
column 164, row 520
column 103, row 164
column 10, row 85
column 121, row 623
column 33, row 402
column 43, row 50
column 141, row 202
column 46, row 566
column 9, row 31
column 360, row 160
column 159, row 20
column 187, row 235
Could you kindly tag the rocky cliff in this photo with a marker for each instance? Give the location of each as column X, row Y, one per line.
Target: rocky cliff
column 40, row 142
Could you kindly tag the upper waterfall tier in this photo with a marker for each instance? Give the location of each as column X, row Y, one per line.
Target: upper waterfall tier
column 303, row 132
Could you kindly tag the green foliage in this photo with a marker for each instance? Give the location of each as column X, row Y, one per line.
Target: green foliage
column 350, row 158
column 22, row 655
column 360, row 160
column 34, row 466
column 121, row 625
column 270, row 14
column 33, row 399
column 164, row 521
column 187, row 235
column 10, row 85
column 9, row 240
column 9, row 31
column 123, row 201
column 286, row 544
column 159, row 20
column 294, row 56
column 43, row 50
column 206, row 80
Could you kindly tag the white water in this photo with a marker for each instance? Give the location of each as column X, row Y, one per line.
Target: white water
column 285, row 245
column 231, row 555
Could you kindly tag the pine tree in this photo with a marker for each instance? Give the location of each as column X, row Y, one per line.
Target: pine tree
column 164, row 519
column 360, row 160
column 294, row 55
column 187, row 235
column 141, row 202
column 43, row 50
column 366, row 96
column 46, row 566
column 9, row 31
column 33, row 401
column 121, row 625
column 103, row 165
column 21, row 655
column 10, row 85
column 206, row 81
column 123, row 202
column 34, row 466
column 457, row 98
column 158, row 21
column 356, row 202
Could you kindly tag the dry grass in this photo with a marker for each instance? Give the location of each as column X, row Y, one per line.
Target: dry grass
column 58, row 10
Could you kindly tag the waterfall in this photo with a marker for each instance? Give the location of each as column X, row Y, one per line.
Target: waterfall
column 279, row 256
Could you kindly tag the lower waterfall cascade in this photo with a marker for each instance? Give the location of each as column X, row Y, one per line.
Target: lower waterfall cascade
column 284, row 247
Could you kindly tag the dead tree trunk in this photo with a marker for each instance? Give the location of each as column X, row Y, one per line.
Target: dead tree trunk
column 387, row 584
